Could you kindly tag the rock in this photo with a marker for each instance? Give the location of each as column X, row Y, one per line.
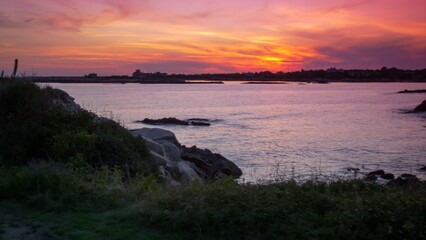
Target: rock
column 195, row 123
column 177, row 163
column 164, row 121
column 154, row 146
column 157, row 159
column 413, row 91
column 387, row 176
column 188, row 173
column 401, row 181
column 156, row 134
column 64, row 100
column 421, row 107
column 175, row 121
column 422, row 168
column 171, row 151
column 406, row 175
column 211, row 163
column 377, row 172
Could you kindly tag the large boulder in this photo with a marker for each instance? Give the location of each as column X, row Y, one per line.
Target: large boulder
column 213, row 164
column 178, row 164
column 156, row 134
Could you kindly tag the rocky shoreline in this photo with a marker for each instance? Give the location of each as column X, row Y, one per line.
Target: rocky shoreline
column 181, row 165
column 390, row 179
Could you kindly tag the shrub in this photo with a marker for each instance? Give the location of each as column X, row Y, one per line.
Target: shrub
column 32, row 127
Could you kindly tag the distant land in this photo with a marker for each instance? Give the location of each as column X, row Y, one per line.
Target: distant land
column 321, row 76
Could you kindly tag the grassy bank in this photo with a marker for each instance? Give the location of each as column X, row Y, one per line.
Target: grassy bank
column 69, row 174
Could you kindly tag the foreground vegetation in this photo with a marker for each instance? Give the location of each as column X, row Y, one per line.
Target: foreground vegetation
column 72, row 175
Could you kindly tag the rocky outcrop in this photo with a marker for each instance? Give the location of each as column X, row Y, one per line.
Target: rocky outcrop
column 404, row 179
column 62, row 99
column 389, row 178
column 212, row 165
column 175, row 121
column 178, row 164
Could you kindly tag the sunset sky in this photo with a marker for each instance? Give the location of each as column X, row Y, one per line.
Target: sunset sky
column 64, row 37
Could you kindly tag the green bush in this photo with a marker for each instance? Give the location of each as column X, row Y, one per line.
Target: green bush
column 32, row 127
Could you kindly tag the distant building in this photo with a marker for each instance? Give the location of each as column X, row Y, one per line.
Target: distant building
column 139, row 74
column 91, row 75
column 332, row 70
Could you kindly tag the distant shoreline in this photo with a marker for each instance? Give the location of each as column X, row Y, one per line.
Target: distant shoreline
column 167, row 80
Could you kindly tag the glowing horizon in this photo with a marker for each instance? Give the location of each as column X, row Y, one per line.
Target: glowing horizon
column 113, row 37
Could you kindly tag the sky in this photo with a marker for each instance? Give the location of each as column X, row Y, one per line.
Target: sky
column 115, row 37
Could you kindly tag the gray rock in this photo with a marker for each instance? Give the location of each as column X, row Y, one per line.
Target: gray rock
column 210, row 163
column 171, row 151
column 154, row 146
column 63, row 99
column 157, row 159
column 156, row 134
column 177, row 163
column 188, row 174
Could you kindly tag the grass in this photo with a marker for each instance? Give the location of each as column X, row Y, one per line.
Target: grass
column 226, row 210
column 33, row 224
column 289, row 210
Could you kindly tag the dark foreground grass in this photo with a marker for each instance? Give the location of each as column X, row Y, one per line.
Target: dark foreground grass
column 338, row 210
column 19, row 222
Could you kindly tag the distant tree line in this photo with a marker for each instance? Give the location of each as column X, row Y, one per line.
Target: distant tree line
column 331, row 74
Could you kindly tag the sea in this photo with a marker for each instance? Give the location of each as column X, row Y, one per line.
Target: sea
column 280, row 131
